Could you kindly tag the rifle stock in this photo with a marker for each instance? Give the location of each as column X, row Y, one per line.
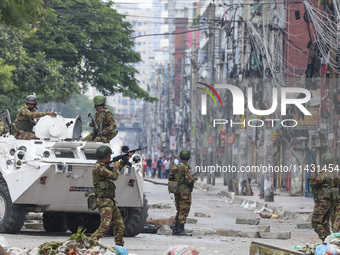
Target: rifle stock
column 96, row 130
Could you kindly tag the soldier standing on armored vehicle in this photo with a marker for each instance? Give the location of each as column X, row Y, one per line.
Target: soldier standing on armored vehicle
column 182, row 174
column 25, row 122
column 325, row 192
column 2, row 126
column 103, row 175
column 104, row 121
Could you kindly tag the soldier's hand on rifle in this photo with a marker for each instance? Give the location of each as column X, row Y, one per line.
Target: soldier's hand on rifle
column 117, row 164
column 91, row 124
column 130, row 154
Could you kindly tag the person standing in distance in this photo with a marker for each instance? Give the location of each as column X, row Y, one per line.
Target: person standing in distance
column 182, row 174
column 105, row 122
column 103, row 176
column 25, row 122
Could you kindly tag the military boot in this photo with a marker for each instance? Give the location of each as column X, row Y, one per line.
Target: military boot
column 182, row 232
column 175, row 231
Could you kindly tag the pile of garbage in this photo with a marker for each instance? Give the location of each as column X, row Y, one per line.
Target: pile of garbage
column 330, row 247
column 77, row 244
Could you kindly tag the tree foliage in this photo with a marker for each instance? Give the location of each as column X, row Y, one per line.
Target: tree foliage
column 20, row 13
column 24, row 74
column 93, row 40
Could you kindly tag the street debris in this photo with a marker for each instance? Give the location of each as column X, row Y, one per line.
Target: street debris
column 160, row 222
column 330, row 247
column 182, row 250
column 77, row 244
column 203, row 215
column 247, row 221
column 159, row 206
column 249, row 206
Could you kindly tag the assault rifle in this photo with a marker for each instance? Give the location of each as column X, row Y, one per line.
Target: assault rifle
column 124, row 156
column 96, row 130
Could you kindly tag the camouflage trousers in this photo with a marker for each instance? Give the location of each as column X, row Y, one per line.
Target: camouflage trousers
column 25, row 135
column 182, row 203
column 89, row 138
column 335, row 216
column 321, row 217
column 109, row 215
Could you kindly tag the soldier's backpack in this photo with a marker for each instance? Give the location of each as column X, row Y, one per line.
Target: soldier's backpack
column 173, row 186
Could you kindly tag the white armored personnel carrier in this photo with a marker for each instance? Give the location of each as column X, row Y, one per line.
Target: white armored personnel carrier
column 52, row 174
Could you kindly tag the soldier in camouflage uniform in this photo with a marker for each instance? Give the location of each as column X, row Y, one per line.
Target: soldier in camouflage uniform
column 2, row 126
column 103, row 176
column 324, row 190
column 182, row 174
column 104, row 120
column 25, row 122
column 335, row 217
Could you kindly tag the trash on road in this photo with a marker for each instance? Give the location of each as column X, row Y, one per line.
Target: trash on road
column 182, row 250
column 203, row 215
column 77, row 244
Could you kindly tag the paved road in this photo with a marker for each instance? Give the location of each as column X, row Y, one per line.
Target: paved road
column 222, row 216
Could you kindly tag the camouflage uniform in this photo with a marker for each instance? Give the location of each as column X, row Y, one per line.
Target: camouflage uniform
column 25, row 122
column 105, row 192
column 182, row 174
column 323, row 187
column 2, row 127
column 106, row 123
column 335, row 217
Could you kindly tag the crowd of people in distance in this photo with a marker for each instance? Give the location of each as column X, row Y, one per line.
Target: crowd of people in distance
column 158, row 168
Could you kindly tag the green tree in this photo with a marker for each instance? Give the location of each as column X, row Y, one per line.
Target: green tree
column 91, row 39
column 24, row 74
column 21, row 13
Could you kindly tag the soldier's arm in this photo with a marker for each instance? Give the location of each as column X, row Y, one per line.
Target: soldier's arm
column 2, row 127
column 30, row 114
column 188, row 178
column 111, row 124
column 112, row 175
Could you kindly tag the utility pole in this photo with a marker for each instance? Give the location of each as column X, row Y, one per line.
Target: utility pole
column 332, row 87
column 212, row 63
column 267, row 136
column 193, row 100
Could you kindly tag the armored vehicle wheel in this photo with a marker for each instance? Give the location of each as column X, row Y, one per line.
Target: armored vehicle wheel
column 90, row 222
column 12, row 216
column 134, row 218
column 54, row 222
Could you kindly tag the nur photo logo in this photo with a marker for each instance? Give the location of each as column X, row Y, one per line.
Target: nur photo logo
column 238, row 105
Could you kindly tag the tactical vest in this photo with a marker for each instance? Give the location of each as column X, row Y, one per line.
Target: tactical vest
column 106, row 189
column 25, row 125
column 100, row 120
column 178, row 176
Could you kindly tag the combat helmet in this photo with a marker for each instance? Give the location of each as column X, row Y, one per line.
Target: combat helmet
column 327, row 159
column 31, row 99
column 99, row 100
column 184, row 154
column 103, row 152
